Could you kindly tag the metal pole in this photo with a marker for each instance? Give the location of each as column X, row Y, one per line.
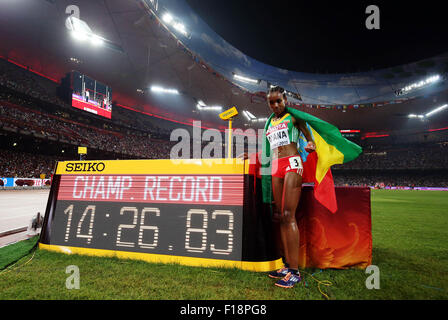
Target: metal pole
column 229, row 151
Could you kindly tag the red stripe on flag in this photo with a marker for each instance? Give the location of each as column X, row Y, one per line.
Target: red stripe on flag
column 323, row 191
column 325, row 194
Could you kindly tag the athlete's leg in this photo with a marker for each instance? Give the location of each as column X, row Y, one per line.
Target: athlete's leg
column 277, row 189
column 292, row 188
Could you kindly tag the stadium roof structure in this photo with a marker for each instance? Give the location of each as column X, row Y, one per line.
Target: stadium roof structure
column 184, row 53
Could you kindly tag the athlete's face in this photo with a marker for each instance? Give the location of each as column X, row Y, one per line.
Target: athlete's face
column 276, row 102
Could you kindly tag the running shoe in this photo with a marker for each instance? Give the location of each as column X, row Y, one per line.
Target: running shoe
column 289, row 280
column 278, row 274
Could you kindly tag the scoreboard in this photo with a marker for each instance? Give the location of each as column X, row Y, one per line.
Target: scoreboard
column 353, row 135
column 91, row 95
column 193, row 212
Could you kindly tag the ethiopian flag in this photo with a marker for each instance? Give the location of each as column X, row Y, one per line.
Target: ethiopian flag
column 331, row 148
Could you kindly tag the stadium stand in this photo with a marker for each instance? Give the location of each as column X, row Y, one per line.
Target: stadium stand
column 49, row 130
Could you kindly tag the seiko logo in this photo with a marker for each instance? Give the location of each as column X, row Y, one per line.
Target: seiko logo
column 85, row 167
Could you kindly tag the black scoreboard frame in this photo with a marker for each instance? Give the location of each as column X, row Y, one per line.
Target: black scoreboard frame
column 219, row 221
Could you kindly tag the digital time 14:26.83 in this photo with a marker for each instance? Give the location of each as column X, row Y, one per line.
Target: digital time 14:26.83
column 204, row 231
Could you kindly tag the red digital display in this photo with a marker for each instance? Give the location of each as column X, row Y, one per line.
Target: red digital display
column 90, row 95
column 91, row 106
column 223, row 190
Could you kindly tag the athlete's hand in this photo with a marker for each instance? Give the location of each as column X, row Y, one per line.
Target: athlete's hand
column 243, row 156
column 310, row 147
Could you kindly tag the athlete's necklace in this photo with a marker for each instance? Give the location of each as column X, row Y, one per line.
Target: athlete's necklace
column 280, row 115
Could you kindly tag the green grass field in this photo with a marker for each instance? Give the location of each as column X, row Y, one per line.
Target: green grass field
column 410, row 237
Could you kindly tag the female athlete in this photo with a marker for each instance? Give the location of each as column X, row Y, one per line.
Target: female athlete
column 283, row 133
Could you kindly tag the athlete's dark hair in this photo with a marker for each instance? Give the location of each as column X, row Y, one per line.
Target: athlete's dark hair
column 277, row 89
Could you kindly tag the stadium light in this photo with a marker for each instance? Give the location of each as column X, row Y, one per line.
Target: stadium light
column 418, row 85
column 245, row 79
column 202, row 106
column 421, row 116
column 212, row 108
column 436, row 110
column 81, row 31
column 167, row 17
column 249, row 116
column 75, row 60
column 164, row 90
column 78, row 25
column 176, row 24
column 96, row 40
column 80, row 36
column 180, row 27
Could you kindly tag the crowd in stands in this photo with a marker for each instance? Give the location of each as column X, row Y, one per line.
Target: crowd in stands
column 136, row 143
column 29, row 106
column 15, row 164
column 391, row 179
column 133, row 120
column 427, row 156
column 31, row 165
column 21, row 80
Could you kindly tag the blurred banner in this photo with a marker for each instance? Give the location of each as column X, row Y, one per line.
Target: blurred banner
column 21, row 182
column 339, row 240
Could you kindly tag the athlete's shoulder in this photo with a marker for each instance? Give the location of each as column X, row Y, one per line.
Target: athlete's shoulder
column 294, row 120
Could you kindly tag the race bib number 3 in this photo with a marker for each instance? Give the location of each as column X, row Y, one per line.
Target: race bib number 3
column 295, row 162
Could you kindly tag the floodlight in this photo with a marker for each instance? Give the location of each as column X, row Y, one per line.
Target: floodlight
column 79, row 25
column 175, row 23
column 251, row 115
column 80, row 36
column 436, row 110
column 96, row 40
column 180, row 27
column 164, row 90
column 202, row 106
column 245, row 79
column 212, row 108
column 167, row 17
column 418, row 85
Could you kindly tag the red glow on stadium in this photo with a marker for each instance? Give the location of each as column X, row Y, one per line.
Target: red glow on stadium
column 374, row 135
column 439, row 129
column 29, row 69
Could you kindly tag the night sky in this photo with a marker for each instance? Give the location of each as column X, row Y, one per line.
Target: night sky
column 329, row 36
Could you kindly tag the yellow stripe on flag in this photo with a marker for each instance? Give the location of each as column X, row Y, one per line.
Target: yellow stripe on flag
column 327, row 155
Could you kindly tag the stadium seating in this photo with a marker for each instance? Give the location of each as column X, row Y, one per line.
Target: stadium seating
column 29, row 107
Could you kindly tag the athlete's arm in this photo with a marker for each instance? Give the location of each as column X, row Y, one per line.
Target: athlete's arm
column 301, row 125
